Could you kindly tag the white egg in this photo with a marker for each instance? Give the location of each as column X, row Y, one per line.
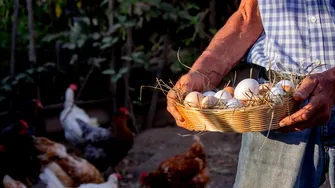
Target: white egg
column 208, row 93
column 285, row 83
column 193, row 99
column 276, row 92
column 246, row 88
column 234, row 103
column 223, row 95
column 209, row 101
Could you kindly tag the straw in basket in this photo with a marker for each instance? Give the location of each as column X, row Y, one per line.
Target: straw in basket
column 248, row 119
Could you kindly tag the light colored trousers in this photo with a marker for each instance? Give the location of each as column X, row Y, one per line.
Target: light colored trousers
column 287, row 160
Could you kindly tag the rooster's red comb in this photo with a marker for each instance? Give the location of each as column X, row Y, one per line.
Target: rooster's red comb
column 73, row 87
column 38, row 103
column 25, row 124
column 124, row 110
column 118, row 176
column 2, row 148
column 142, row 178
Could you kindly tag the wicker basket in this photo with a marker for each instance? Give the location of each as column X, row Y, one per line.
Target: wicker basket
column 249, row 119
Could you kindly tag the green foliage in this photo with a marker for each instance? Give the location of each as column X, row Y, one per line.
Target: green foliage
column 82, row 29
column 29, row 76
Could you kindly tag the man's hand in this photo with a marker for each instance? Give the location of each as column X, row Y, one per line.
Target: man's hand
column 319, row 89
column 189, row 82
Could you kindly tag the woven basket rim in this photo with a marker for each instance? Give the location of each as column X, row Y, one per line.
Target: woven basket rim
column 249, row 108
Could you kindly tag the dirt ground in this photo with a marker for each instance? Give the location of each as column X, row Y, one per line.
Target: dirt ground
column 155, row 145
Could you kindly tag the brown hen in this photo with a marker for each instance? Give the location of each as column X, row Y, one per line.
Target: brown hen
column 62, row 176
column 188, row 170
column 78, row 169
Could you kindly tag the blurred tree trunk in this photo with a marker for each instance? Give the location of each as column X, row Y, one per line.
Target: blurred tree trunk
column 14, row 33
column 129, row 50
column 16, row 5
column 113, row 55
column 161, row 65
column 32, row 45
column 212, row 14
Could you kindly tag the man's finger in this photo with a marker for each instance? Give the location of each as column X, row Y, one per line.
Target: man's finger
column 300, row 116
column 307, row 86
column 182, row 124
column 171, row 106
column 299, row 126
column 312, row 122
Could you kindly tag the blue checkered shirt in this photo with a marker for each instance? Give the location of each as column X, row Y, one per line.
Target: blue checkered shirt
column 298, row 37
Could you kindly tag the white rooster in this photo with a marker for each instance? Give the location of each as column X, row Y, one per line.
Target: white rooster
column 68, row 117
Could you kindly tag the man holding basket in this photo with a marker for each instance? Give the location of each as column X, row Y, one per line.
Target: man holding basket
column 296, row 37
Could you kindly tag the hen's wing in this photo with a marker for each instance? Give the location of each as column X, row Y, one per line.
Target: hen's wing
column 49, row 178
column 81, row 114
column 93, row 134
column 200, row 180
column 62, row 176
column 72, row 130
column 111, row 183
column 93, row 121
column 80, row 170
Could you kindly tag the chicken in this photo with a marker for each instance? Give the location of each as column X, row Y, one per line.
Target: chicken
column 112, row 182
column 188, row 170
column 53, row 181
column 32, row 113
column 78, row 169
column 18, row 152
column 62, row 176
column 49, row 150
column 8, row 182
column 68, row 117
column 50, row 179
column 105, row 148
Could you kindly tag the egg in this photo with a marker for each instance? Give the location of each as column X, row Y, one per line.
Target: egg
column 234, row 103
column 276, row 92
column 193, row 99
column 288, row 89
column 209, row 101
column 246, row 88
column 208, row 93
column 285, row 83
column 223, row 95
column 230, row 90
column 264, row 88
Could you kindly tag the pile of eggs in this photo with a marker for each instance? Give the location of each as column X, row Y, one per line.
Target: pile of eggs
column 246, row 90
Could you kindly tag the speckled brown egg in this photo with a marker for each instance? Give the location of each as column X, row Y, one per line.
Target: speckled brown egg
column 230, row 90
column 288, row 89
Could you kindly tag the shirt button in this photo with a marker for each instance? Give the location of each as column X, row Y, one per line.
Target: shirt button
column 313, row 19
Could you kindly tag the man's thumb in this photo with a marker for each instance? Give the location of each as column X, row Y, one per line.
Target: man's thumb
column 307, row 86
